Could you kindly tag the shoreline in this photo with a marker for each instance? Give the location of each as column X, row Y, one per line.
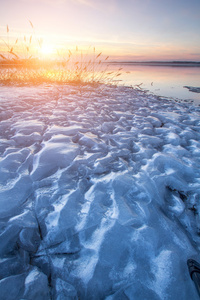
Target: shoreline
column 138, row 90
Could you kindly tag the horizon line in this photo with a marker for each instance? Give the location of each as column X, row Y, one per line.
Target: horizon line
column 157, row 61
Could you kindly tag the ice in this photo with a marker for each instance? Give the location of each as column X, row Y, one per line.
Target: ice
column 46, row 162
column 14, row 195
column 65, row 131
column 162, row 271
column 28, row 126
column 27, row 140
column 99, row 194
column 12, row 287
column 64, row 290
column 36, row 285
column 193, row 89
column 28, row 285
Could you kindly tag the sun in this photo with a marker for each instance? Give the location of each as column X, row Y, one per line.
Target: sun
column 47, row 50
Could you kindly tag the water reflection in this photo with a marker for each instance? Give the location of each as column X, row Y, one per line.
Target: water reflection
column 166, row 81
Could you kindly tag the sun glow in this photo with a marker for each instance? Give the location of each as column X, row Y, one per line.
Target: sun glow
column 47, row 50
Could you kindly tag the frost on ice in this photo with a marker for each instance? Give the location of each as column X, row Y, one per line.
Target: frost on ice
column 99, row 194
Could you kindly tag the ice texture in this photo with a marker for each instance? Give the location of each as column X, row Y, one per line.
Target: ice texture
column 99, row 194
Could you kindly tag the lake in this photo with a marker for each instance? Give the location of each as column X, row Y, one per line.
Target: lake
column 166, row 80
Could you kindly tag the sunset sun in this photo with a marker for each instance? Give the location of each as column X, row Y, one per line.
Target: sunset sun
column 47, row 50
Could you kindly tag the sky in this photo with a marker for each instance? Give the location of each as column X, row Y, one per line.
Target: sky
column 138, row 30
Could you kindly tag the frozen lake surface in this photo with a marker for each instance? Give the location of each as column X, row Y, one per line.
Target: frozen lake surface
column 99, row 194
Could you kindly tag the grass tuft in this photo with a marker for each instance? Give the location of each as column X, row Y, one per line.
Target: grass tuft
column 74, row 66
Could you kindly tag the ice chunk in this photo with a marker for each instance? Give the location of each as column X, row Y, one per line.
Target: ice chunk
column 65, row 218
column 91, row 141
column 8, row 239
column 52, row 157
column 12, row 197
column 154, row 121
column 21, row 230
column 13, row 265
column 27, row 140
column 64, row 290
column 193, row 89
column 64, row 130
column 176, row 204
column 108, row 127
column 173, row 139
column 14, row 163
column 29, row 239
column 28, row 126
column 36, row 286
column 136, row 290
column 12, row 287
column 150, row 141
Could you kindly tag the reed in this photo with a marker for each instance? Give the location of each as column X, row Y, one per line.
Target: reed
column 72, row 66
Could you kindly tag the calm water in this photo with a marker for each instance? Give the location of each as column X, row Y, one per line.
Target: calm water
column 162, row 80
column 168, row 81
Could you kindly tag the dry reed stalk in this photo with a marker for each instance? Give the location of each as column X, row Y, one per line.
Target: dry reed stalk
column 76, row 67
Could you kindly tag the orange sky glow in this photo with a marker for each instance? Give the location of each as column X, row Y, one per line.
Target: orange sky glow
column 124, row 30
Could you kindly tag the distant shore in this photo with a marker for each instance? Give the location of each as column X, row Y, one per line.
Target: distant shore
column 159, row 63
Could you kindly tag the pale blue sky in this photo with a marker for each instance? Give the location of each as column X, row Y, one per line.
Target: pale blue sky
column 128, row 29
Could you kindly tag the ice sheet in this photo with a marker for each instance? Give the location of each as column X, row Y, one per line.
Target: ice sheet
column 99, row 194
